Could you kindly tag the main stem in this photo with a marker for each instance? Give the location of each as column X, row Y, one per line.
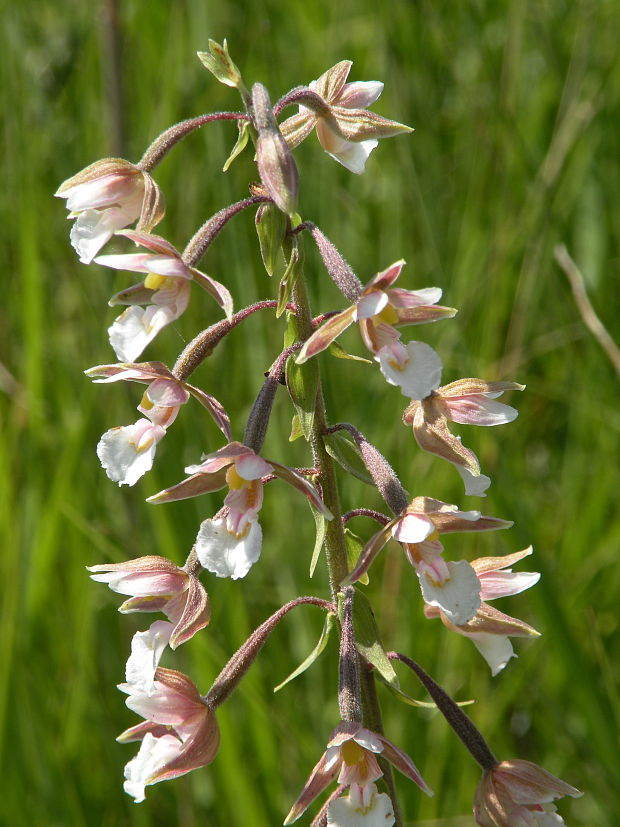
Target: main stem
column 335, row 543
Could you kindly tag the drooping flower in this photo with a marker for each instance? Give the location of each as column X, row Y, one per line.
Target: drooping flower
column 165, row 291
column 156, row 584
column 344, row 127
column 451, row 586
column 490, row 629
column 378, row 311
column 179, row 734
column 127, row 452
column 105, row 197
column 230, row 544
column 518, row 793
column 468, row 402
column 350, row 758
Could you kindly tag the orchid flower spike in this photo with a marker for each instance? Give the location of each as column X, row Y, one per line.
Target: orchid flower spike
column 155, row 584
column 350, row 758
column 105, row 197
column 379, row 310
column 453, row 587
column 468, row 402
column 344, row 127
column 517, row 793
column 127, row 452
column 229, row 545
column 179, row 734
column 165, row 291
column 490, row 629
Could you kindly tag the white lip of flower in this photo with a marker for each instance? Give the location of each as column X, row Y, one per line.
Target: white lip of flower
column 126, row 452
column 146, row 651
column 225, row 554
column 153, row 754
column 362, row 806
column 458, row 596
column 415, row 368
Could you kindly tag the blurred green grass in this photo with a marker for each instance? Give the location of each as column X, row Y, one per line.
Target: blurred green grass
column 516, row 109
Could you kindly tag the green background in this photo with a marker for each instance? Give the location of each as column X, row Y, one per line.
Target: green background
column 516, row 111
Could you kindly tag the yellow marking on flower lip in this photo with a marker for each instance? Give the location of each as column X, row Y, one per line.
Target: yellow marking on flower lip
column 387, row 315
column 145, row 402
column 234, row 481
column 155, row 282
column 141, row 446
column 351, row 753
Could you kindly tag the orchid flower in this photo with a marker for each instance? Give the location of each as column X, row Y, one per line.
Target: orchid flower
column 468, row 402
column 165, row 292
column 490, row 629
column 451, row 586
column 518, row 793
column 179, row 734
column 127, row 452
column 105, row 197
column 230, row 544
column 155, row 584
column 379, row 310
column 350, row 758
column 344, row 127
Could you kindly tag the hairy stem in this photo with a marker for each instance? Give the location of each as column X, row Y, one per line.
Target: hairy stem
column 164, row 143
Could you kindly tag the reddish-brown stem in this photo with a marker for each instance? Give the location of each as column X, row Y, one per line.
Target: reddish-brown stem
column 203, row 345
column 238, row 665
column 164, row 143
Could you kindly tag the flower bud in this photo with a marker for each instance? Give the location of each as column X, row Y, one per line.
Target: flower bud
column 276, row 166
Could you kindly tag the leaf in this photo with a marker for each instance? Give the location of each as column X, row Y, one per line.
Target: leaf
column 318, row 649
column 337, row 350
column 321, row 528
column 368, row 639
column 407, row 699
column 270, row 227
column 242, row 140
column 346, row 453
column 355, row 546
column 293, row 269
column 296, row 431
column 302, row 381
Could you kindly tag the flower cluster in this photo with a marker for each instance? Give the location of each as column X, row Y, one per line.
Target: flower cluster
column 179, row 732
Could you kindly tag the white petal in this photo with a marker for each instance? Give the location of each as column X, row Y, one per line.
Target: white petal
column 548, row 818
column 359, row 94
column 135, row 328
column 478, row 409
column 223, row 553
column 506, row 583
column 495, row 649
column 418, row 376
column 353, row 156
column 91, row 230
column 354, row 811
column 474, row 486
column 413, row 528
column 458, row 597
column 371, row 304
column 154, row 754
column 146, row 651
column 126, row 453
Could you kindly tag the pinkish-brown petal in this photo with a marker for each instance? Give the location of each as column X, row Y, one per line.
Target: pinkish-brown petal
column 403, row 763
column 431, row 432
column 296, row 129
column 386, row 277
column 484, row 564
column 492, row 621
column 466, row 387
column 153, row 205
column 193, row 486
column 370, row 551
column 330, row 83
column 152, row 242
column 423, row 314
column 215, row 408
column 220, row 293
column 141, row 371
column 301, row 484
column 196, row 614
column 325, row 335
column 318, row 780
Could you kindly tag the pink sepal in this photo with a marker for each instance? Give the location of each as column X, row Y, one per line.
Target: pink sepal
column 217, row 290
column 215, row 408
column 193, row 486
column 301, row 484
column 325, row 335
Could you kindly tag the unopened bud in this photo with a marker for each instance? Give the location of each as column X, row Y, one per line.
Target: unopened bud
column 276, row 166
